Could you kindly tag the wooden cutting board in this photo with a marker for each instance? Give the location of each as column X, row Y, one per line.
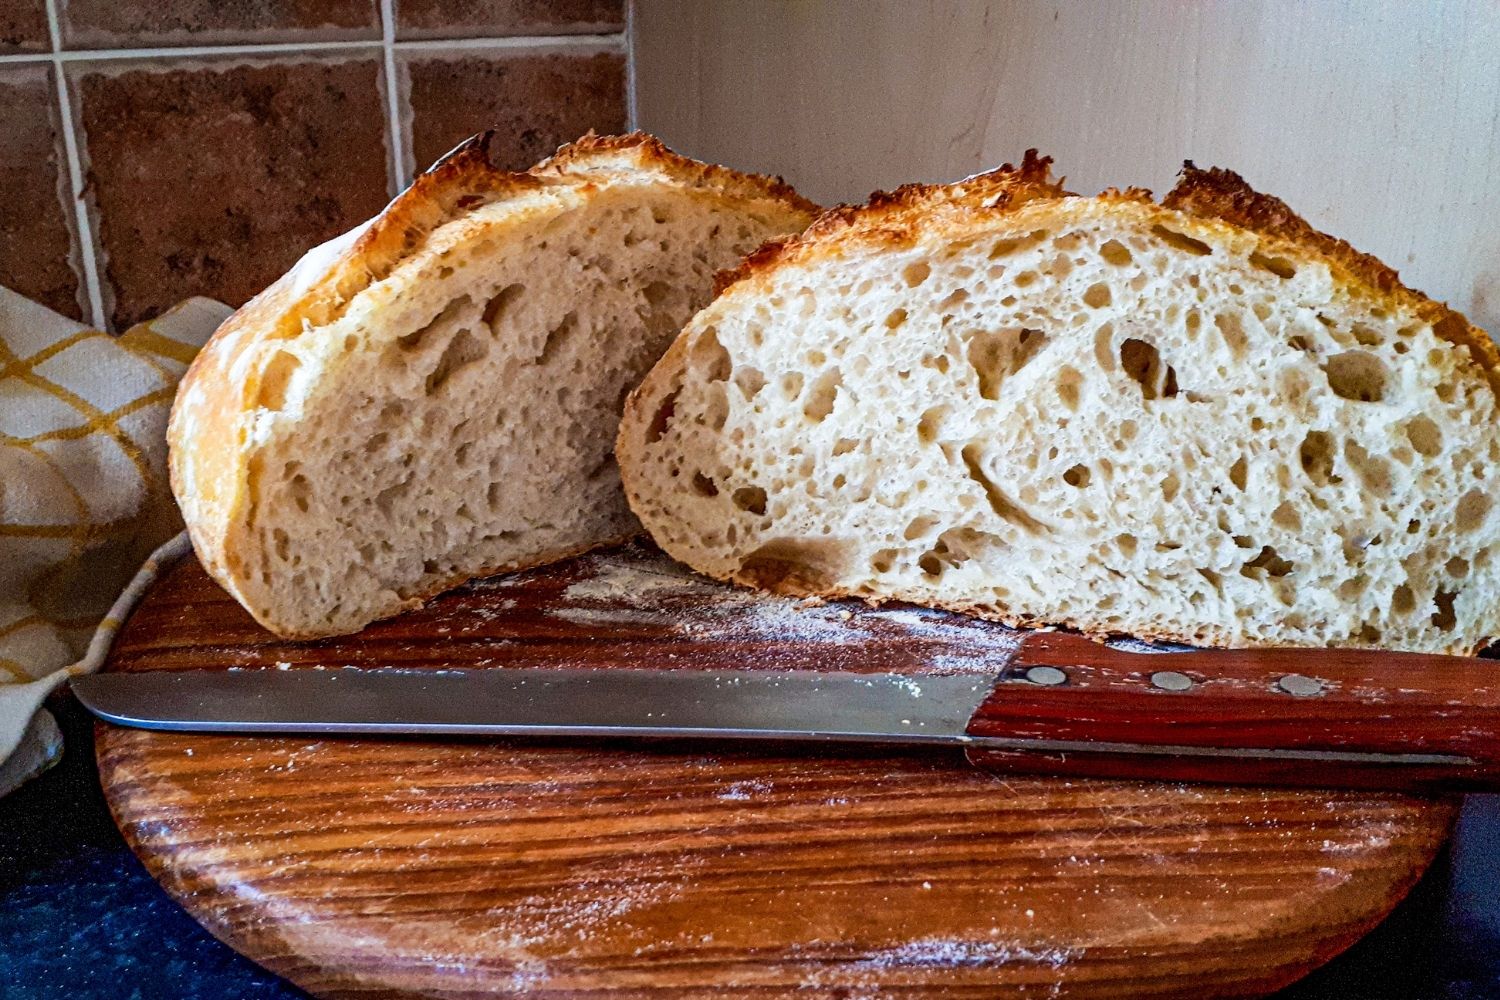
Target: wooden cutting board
column 360, row 868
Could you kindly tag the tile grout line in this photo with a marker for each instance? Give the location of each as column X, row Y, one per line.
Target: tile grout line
column 87, row 251
column 393, row 96
column 615, row 40
column 632, row 113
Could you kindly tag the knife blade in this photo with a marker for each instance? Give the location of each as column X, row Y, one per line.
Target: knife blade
column 1061, row 705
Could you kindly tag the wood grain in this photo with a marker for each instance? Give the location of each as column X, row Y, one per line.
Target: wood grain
column 1355, row 702
column 405, row 868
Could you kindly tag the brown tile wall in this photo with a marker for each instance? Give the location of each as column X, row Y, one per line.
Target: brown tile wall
column 23, row 26
column 107, row 24
column 445, row 18
column 207, row 174
column 217, row 142
column 35, row 232
column 535, row 102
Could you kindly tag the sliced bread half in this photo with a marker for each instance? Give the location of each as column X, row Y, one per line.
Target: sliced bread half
column 1199, row 420
column 435, row 395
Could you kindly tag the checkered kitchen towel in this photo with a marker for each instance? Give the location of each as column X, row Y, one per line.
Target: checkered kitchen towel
column 84, row 498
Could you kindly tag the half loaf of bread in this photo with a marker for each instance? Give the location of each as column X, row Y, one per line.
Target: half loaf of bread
column 1199, row 420
column 435, row 395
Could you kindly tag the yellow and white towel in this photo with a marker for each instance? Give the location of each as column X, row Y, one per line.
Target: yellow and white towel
column 83, row 496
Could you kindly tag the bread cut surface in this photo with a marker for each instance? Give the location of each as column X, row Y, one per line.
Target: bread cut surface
column 435, row 395
column 1199, row 420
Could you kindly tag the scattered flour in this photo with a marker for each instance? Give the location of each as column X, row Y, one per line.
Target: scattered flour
column 942, row 953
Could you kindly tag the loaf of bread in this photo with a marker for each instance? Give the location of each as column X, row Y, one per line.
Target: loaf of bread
column 1200, row 420
column 435, row 395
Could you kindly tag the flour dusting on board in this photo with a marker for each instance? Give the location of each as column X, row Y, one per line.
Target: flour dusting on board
column 951, row 954
column 636, row 586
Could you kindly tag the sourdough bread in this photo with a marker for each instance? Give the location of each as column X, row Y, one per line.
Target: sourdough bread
column 435, row 395
column 1199, row 420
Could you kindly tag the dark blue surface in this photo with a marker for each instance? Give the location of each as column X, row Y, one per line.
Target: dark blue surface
column 81, row 919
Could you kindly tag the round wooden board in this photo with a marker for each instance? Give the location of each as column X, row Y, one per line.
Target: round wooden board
column 360, row 868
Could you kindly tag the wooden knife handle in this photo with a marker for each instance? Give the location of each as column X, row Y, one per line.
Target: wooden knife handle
column 1351, row 702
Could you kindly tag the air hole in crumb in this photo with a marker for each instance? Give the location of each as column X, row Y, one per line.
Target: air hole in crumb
column 1237, row 473
column 1316, row 455
column 951, row 550
column 1403, row 601
column 1457, row 567
column 954, row 298
column 1170, row 486
column 1287, row 516
column 299, row 489
column 1127, row 545
column 1068, row 381
column 709, row 357
column 1357, row 375
column 821, row 396
column 1114, row 252
column 1443, row 617
column 791, row 385
column 715, row 406
column 884, row 560
column 1143, row 363
column 1473, row 508
column 749, row 380
column 1097, row 295
column 1077, row 476
column 930, row 423
column 657, row 293
column 1233, row 331
column 1002, row 505
column 1372, row 469
column 1267, row 562
column 916, row 273
column 1424, row 435
column 499, row 304
column 274, row 378
column 895, row 318
column 1182, row 241
column 997, row 355
column 558, row 336
column 1279, row 266
column 751, row 499
column 662, row 418
column 800, row 563
column 844, row 446
column 704, row 486
column 919, row 527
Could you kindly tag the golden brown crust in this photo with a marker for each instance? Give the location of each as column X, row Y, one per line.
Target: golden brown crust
column 1224, row 195
column 896, row 218
column 1217, row 199
column 209, row 430
column 900, row 217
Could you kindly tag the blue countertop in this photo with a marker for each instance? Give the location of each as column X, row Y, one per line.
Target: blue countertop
column 81, row 919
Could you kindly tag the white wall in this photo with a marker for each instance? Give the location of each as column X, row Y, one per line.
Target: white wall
column 1379, row 121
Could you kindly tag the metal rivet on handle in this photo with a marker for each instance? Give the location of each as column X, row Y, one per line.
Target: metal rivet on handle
column 1302, row 687
column 1047, row 676
column 1171, row 680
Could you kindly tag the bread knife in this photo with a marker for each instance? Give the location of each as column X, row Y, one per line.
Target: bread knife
column 1058, row 705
